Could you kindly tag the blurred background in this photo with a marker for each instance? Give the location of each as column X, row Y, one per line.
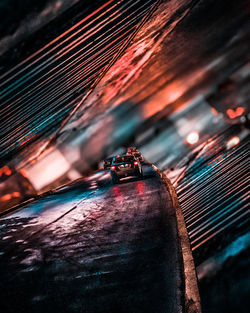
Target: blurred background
column 81, row 81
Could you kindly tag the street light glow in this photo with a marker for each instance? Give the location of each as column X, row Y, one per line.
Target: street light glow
column 234, row 141
column 193, row 138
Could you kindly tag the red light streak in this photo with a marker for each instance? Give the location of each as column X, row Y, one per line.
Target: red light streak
column 235, row 113
column 140, row 188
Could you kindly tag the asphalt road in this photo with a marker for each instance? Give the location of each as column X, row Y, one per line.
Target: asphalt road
column 93, row 247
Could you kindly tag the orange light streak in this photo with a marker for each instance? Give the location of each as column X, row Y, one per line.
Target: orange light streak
column 6, row 197
column 16, row 194
column 5, row 170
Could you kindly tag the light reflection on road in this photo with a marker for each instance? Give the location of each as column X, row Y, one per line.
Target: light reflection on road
column 99, row 253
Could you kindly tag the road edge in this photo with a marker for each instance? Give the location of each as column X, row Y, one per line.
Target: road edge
column 192, row 295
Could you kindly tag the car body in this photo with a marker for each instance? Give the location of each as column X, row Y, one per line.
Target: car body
column 125, row 165
column 107, row 163
column 139, row 156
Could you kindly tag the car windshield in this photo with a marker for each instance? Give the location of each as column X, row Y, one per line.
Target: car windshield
column 108, row 161
column 123, row 159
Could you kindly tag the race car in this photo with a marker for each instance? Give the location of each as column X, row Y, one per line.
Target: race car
column 107, row 163
column 125, row 165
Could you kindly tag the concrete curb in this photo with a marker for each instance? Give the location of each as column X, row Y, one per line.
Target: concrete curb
column 192, row 296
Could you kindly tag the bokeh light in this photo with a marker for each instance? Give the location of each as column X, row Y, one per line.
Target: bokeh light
column 193, row 138
column 234, row 141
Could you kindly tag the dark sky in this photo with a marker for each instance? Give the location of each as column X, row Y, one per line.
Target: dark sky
column 13, row 12
column 21, row 18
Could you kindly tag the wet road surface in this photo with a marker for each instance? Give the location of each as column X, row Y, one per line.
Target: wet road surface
column 93, row 247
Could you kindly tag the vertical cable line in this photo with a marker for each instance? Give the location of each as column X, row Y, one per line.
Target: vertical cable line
column 79, row 40
column 40, row 90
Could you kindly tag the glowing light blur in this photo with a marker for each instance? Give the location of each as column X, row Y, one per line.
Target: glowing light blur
column 9, row 196
column 47, row 169
column 235, row 113
column 16, row 194
column 234, row 141
column 5, row 170
column 140, row 188
column 193, row 138
column 119, row 196
column 214, row 111
column 23, row 172
column 6, row 197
